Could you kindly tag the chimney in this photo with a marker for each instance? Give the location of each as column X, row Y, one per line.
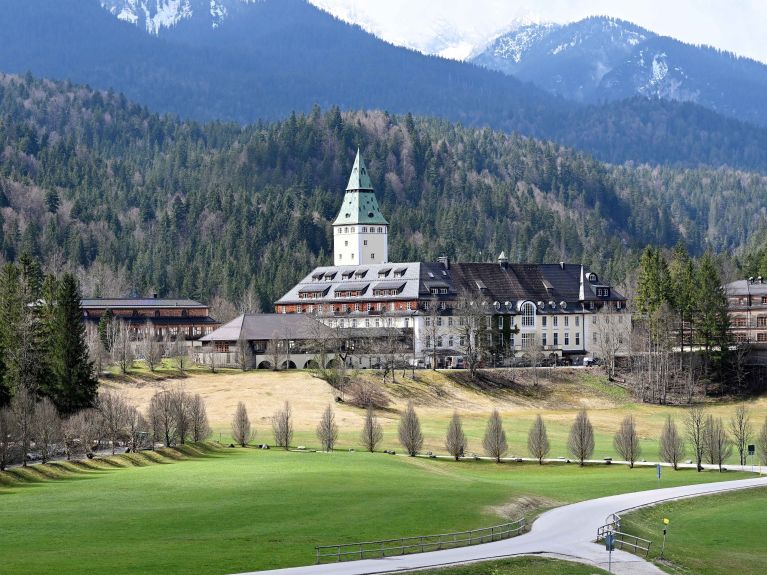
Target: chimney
column 562, row 265
column 503, row 261
column 445, row 261
column 154, row 295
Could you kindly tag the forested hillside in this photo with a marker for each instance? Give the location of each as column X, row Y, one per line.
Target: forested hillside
column 149, row 203
column 278, row 56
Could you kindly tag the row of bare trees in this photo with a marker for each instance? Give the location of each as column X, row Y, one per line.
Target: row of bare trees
column 32, row 428
column 113, row 342
column 708, row 437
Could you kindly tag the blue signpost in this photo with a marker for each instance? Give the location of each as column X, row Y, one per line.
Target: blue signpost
column 610, row 545
column 657, row 469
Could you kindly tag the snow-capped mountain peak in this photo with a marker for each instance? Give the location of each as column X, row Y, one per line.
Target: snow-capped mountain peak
column 156, row 15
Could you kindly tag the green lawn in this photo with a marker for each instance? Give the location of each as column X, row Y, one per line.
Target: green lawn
column 712, row 535
column 521, row 566
column 239, row 510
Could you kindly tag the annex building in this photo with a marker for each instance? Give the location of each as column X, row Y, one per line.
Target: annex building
column 562, row 311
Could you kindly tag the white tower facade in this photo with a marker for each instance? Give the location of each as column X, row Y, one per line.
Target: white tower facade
column 360, row 232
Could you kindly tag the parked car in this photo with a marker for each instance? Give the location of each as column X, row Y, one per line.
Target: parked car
column 589, row 361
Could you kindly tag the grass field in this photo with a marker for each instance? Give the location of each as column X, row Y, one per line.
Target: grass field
column 714, row 535
column 560, row 394
column 521, row 566
column 245, row 509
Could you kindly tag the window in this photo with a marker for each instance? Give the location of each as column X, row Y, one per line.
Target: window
column 450, row 341
column 450, row 322
column 407, row 322
column 567, row 321
column 354, row 323
column 594, row 337
column 528, row 315
column 567, row 338
column 356, row 307
column 439, row 321
column 380, row 230
column 428, row 321
column 544, row 339
column 556, row 338
column 761, row 321
column 577, row 321
column 340, row 256
column 346, row 242
column 593, row 320
column 372, row 256
column 364, row 242
column 367, row 323
column 543, row 321
column 364, row 230
column 352, row 256
column 352, row 229
column 555, row 321
column 500, row 322
column 346, row 230
column 462, row 341
column 761, row 337
column 527, row 340
column 439, row 341
column 511, row 339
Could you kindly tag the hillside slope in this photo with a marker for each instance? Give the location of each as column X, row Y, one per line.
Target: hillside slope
column 148, row 203
column 275, row 57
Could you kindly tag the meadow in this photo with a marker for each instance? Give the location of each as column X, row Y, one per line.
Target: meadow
column 557, row 397
column 231, row 510
column 714, row 535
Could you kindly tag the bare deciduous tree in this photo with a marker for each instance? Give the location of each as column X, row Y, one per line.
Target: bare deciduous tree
column 367, row 393
column 455, row 440
column 200, row 429
column 242, row 433
column 181, row 404
column 720, row 444
column 137, row 429
column 494, row 441
column 708, row 439
column 114, row 414
column 612, row 336
column 327, row 429
column 472, row 314
column 282, row 426
column 538, row 440
column 580, row 443
column 626, row 441
column 151, row 348
column 7, row 437
column 695, row 426
column 47, row 429
column 741, row 430
column 23, row 407
column 180, row 351
column 274, row 351
column 372, row 431
column 762, row 441
column 244, row 353
column 122, row 351
column 162, row 419
column 410, row 435
column 671, row 443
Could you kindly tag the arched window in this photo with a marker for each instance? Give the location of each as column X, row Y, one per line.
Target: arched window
column 528, row 315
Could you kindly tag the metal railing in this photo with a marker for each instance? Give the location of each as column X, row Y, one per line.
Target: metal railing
column 623, row 540
column 417, row 544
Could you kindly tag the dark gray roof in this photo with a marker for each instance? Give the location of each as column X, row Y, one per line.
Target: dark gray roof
column 265, row 326
column 746, row 287
column 122, row 303
column 390, row 285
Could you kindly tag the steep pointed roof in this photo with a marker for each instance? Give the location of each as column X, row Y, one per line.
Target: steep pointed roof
column 359, row 178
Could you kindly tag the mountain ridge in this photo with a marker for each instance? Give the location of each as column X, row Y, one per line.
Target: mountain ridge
column 607, row 59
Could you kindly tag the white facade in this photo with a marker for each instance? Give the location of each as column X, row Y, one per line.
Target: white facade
column 360, row 244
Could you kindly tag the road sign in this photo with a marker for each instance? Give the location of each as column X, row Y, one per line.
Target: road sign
column 610, row 542
column 665, row 521
column 751, row 449
column 657, row 469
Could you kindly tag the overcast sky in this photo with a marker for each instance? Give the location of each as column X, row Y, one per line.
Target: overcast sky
column 739, row 26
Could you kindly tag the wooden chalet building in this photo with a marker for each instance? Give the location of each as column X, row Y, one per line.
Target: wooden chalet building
column 163, row 318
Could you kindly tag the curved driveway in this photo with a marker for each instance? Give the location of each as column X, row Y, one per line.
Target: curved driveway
column 566, row 532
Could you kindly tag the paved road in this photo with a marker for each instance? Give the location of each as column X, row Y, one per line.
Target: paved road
column 566, row 532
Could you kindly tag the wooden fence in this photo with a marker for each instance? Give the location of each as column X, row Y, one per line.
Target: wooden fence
column 417, row 544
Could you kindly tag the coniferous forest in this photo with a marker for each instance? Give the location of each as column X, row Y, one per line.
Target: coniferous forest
column 148, row 203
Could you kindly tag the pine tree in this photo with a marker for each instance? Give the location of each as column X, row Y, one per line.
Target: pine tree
column 712, row 323
column 72, row 371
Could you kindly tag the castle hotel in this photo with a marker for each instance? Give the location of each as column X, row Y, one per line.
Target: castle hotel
column 561, row 310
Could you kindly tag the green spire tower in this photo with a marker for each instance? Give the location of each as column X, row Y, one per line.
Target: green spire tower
column 360, row 232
